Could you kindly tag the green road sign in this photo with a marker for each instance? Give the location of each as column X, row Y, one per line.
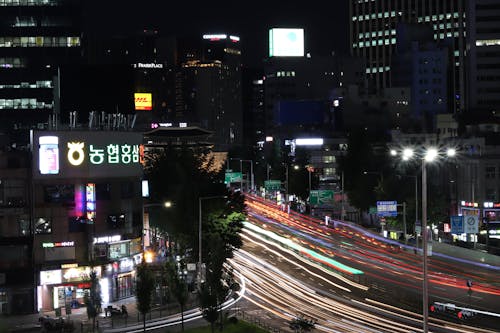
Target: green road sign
column 272, row 185
column 321, row 197
column 232, row 177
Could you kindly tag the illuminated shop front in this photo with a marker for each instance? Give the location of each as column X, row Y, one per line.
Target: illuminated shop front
column 87, row 186
column 65, row 287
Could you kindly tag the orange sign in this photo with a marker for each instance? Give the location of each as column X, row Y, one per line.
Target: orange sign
column 143, row 101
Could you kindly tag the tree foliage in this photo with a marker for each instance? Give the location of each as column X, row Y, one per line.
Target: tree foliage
column 177, row 285
column 93, row 300
column 214, row 291
column 144, row 290
column 301, row 324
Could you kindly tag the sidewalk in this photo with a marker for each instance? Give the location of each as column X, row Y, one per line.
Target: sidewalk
column 30, row 322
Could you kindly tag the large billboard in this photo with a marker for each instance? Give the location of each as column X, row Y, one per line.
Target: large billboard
column 86, row 154
column 143, row 101
column 284, row 42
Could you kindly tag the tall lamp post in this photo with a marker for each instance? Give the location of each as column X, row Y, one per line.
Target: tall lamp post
column 200, row 199
column 428, row 156
column 251, row 173
column 166, row 204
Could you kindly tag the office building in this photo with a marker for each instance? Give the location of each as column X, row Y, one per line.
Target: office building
column 484, row 55
column 37, row 39
column 373, row 37
column 209, row 90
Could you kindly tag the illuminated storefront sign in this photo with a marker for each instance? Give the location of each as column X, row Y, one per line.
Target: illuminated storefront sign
column 69, row 265
column 48, row 159
column 68, row 154
column 77, row 274
column 107, row 239
column 90, row 201
column 50, row 277
column 143, row 101
column 110, row 154
column 58, row 244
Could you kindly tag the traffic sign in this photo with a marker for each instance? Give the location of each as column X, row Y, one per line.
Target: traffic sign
column 321, row 197
column 457, row 224
column 232, row 177
column 471, row 225
column 387, row 208
column 272, row 185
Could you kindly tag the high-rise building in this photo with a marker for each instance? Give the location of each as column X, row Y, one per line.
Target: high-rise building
column 37, row 38
column 209, row 88
column 373, row 36
column 484, row 55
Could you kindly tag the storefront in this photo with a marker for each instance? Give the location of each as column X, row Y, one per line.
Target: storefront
column 65, row 287
column 121, row 278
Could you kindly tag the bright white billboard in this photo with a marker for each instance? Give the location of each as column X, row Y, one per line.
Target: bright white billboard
column 284, row 42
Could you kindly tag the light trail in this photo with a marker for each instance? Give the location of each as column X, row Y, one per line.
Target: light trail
column 282, row 295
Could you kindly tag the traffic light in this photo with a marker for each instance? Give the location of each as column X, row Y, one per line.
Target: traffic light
column 433, row 308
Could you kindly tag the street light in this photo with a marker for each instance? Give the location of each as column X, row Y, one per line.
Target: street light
column 416, row 200
column 200, row 199
column 147, row 229
column 296, row 167
column 429, row 155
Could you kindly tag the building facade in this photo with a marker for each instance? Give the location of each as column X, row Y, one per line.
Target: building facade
column 373, row 36
column 37, row 39
column 86, row 214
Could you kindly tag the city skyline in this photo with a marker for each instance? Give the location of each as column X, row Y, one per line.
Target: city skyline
column 326, row 29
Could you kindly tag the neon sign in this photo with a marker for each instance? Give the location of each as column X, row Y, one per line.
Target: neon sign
column 59, row 244
column 110, row 154
column 90, row 201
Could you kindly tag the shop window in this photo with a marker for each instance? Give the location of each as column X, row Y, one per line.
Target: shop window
column 43, row 226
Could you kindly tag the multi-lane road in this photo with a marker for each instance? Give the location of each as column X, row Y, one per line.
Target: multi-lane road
column 350, row 280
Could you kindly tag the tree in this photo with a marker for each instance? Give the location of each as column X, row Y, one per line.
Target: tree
column 93, row 300
column 300, row 324
column 144, row 290
column 177, row 285
column 214, row 291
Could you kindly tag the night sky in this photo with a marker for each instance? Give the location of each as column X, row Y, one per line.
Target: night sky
column 325, row 23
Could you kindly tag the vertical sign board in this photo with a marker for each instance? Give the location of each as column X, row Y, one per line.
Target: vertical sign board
column 457, row 224
column 471, row 224
column 387, row 208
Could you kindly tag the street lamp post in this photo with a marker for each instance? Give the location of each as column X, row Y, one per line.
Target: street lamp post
column 200, row 199
column 241, row 171
column 430, row 155
column 251, row 173
column 166, row 204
